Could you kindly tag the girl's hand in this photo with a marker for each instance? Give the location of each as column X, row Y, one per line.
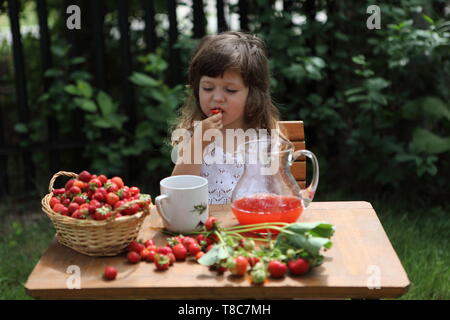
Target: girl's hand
column 213, row 122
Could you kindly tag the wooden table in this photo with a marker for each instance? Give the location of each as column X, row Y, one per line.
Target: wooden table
column 361, row 264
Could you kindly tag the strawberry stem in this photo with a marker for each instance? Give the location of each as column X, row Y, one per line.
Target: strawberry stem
column 276, row 224
column 217, row 233
column 239, row 236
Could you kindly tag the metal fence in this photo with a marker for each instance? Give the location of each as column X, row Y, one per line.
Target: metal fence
column 94, row 14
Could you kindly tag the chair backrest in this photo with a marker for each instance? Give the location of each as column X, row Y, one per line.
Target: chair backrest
column 294, row 131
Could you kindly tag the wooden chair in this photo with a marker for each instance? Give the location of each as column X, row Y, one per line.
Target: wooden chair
column 294, row 131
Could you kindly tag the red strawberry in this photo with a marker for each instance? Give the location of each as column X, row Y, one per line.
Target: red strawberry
column 99, row 196
column 252, row 261
column 110, row 273
column 210, row 223
column 134, row 191
column 199, row 255
column 69, row 184
column 59, row 191
column 111, row 186
column 74, row 190
column 186, row 241
column 73, row 206
column 80, row 199
column 53, row 201
column 103, row 179
column 66, row 202
column 162, row 262
column 84, row 176
column 144, row 254
column 112, row 198
column 180, row 252
column 78, row 214
column 133, row 257
column 277, row 269
column 80, row 184
column 135, row 246
column 60, row 208
column 94, row 184
column 151, row 256
column 238, row 266
column 165, row 250
column 118, row 181
column 299, row 266
column 102, row 213
column 172, row 258
column 102, row 191
column 194, row 248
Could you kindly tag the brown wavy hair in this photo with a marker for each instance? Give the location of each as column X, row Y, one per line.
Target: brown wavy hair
column 239, row 51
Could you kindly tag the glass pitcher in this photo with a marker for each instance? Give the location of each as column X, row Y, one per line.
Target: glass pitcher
column 267, row 190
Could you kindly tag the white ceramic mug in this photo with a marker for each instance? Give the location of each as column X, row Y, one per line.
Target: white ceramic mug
column 183, row 203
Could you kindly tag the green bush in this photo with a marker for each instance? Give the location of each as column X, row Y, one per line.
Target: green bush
column 374, row 102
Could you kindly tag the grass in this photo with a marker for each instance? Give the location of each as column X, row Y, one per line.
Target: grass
column 421, row 240
column 23, row 241
column 419, row 235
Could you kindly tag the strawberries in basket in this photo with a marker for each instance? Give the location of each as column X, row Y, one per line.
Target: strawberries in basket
column 97, row 198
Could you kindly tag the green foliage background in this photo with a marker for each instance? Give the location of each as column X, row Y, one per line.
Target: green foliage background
column 375, row 103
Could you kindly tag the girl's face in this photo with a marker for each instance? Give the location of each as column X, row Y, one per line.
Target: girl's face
column 227, row 93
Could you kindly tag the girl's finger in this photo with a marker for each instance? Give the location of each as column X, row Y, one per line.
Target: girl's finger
column 216, row 116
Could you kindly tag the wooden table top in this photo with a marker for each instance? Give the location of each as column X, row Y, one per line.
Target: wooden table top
column 361, row 264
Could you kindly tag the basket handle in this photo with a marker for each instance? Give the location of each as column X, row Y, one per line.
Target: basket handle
column 59, row 174
column 146, row 208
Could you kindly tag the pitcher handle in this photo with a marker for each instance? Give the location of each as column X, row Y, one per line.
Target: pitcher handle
column 159, row 207
column 308, row 193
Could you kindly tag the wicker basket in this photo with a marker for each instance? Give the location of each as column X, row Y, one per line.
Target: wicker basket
column 95, row 237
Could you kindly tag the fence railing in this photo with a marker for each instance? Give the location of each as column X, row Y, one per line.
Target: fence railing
column 94, row 12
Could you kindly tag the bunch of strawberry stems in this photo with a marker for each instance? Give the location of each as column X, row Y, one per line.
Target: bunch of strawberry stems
column 237, row 231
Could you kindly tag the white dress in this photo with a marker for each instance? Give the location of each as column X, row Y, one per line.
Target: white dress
column 222, row 178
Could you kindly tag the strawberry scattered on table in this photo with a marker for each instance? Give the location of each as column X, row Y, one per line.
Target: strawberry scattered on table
column 110, row 273
column 295, row 250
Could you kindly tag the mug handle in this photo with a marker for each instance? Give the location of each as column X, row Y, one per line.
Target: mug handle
column 308, row 193
column 159, row 207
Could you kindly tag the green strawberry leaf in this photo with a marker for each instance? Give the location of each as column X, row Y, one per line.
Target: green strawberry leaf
column 308, row 236
column 217, row 253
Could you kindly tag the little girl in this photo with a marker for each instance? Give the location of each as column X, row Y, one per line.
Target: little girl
column 230, row 82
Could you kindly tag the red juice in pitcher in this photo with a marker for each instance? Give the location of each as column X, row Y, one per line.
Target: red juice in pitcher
column 267, row 208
